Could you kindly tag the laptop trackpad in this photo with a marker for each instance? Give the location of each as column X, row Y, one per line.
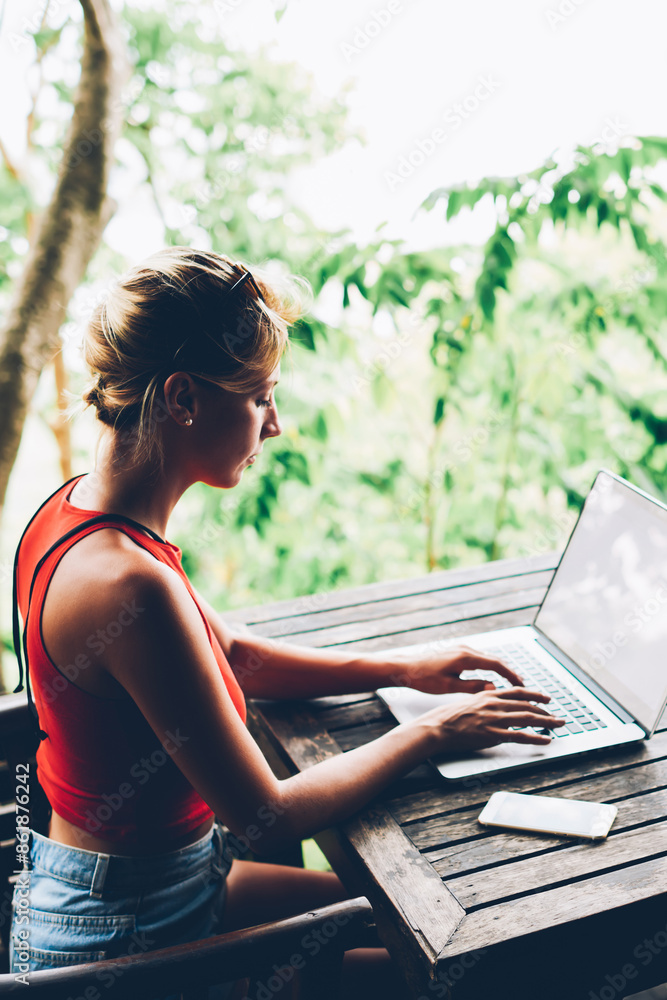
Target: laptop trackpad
column 496, row 758
column 407, row 704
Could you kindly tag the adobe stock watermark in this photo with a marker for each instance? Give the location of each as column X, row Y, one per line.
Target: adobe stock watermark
column 365, row 33
column 223, row 7
column 617, row 983
column 212, row 530
column 453, row 117
column 632, row 623
column 552, row 536
column 97, row 642
column 141, row 771
column 217, row 187
column 310, row 945
column 390, row 353
column 449, row 644
column 464, row 448
column 631, row 283
column 558, row 15
column 256, row 658
column 236, row 845
column 560, row 526
column 613, row 130
column 254, row 661
column 448, row 977
column 41, row 17
column 21, row 930
column 138, row 944
column 92, row 138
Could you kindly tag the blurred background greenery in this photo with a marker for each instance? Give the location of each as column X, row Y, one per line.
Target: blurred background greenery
column 442, row 407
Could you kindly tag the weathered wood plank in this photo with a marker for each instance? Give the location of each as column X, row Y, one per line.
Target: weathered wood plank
column 308, row 604
column 347, row 716
column 444, row 604
column 398, row 624
column 349, row 739
column 578, row 957
column 394, row 865
column 526, row 915
column 448, row 828
column 331, row 702
column 506, row 848
column 474, row 791
column 437, row 632
column 561, row 867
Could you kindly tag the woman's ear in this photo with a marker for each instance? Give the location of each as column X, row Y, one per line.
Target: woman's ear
column 180, row 397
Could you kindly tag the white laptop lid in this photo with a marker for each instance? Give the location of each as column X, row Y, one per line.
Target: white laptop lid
column 607, row 603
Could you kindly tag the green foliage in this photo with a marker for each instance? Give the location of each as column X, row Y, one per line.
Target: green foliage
column 237, row 125
column 570, row 347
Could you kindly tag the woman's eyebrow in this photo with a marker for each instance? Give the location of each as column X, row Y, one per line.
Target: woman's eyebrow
column 271, row 386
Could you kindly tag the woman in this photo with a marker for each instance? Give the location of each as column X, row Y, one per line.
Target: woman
column 139, row 684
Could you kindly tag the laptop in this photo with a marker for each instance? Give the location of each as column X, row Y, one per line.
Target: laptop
column 598, row 644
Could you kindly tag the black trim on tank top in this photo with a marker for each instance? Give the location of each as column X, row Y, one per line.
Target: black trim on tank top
column 21, row 641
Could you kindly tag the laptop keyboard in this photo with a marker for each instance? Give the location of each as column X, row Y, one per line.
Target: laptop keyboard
column 564, row 703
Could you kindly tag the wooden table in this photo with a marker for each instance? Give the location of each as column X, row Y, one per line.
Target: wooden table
column 468, row 912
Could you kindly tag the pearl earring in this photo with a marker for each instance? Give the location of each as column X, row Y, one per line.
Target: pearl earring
column 188, row 421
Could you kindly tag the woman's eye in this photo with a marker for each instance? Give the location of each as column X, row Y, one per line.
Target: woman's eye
column 264, row 402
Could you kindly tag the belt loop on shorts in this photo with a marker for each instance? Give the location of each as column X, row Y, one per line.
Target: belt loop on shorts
column 99, row 875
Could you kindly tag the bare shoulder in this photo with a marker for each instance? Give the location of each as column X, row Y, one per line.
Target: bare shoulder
column 101, row 566
column 96, row 592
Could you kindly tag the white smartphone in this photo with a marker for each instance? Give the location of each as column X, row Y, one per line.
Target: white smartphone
column 548, row 814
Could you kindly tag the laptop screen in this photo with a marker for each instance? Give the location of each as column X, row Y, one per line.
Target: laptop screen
column 607, row 603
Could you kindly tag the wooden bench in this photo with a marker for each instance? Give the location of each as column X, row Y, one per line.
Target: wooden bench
column 260, row 955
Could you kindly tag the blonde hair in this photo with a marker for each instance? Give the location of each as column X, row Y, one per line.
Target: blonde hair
column 173, row 312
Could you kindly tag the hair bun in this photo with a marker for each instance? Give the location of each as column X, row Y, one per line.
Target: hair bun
column 177, row 301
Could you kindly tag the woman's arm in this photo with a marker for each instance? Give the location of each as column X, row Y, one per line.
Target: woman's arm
column 165, row 661
column 266, row 668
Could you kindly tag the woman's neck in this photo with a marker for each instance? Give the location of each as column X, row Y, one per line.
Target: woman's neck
column 143, row 492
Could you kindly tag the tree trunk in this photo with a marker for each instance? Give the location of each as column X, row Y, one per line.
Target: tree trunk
column 60, row 424
column 68, row 232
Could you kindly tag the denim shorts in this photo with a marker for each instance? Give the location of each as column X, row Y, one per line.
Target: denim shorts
column 72, row 906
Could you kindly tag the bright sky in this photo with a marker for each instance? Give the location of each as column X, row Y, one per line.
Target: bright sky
column 528, row 77
column 444, row 91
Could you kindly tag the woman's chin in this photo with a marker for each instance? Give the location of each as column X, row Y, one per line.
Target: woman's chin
column 223, row 482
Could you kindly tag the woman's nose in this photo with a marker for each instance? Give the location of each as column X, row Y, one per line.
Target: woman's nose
column 272, row 426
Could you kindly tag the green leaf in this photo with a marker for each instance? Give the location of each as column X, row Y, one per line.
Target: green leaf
column 302, row 333
column 500, row 253
column 320, row 430
column 603, row 211
column 639, row 233
column 298, row 467
column 454, row 202
column 658, row 191
column 47, row 38
column 487, row 300
column 434, row 197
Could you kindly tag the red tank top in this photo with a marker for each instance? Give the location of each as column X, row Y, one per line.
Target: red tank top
column 102, row 767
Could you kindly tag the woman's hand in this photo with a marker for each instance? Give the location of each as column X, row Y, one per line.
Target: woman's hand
column 484, row 720
column 440, row 672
